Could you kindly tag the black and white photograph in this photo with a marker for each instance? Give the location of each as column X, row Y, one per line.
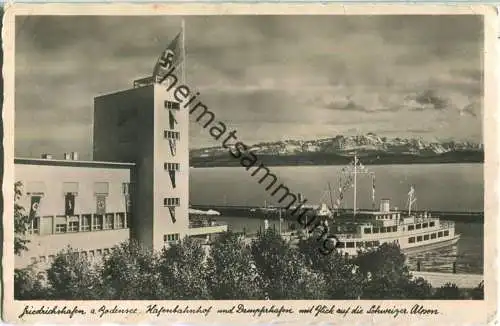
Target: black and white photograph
column 253, row 159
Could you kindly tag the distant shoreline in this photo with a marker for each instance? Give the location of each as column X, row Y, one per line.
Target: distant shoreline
column 327, row 159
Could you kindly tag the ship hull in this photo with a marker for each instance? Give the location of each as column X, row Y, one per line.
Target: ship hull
column 432, row 246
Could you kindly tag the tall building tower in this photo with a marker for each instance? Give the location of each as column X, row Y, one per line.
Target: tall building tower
column 146, row 125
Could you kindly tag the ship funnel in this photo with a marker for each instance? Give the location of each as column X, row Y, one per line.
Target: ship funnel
column 385, row 205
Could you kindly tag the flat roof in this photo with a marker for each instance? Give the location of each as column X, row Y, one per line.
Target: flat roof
column 56, row 162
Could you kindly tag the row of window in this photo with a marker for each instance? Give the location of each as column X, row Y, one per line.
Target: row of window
column 90, row 254
column 171, row 166
column 71, row 224
column 101, row 188
column 172, row 134
column 421, row 226
column 171, row 201
column 431, row 236
column 171, row 237
column 384, row 229
column 359, row 244
column 387, row 217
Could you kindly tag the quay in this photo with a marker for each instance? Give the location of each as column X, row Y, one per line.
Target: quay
column 465, row 281
column 257, row 212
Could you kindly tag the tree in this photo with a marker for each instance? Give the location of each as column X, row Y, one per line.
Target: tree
column 477, row 293
column 21, row 221
column 418, row 288
column 29, row 285
column 283, row 273
column 183, row 272
column 73, row 277
column 448, row 291
column 344, row 281
column 388, row 276
column 130, row 272
column 231, row 273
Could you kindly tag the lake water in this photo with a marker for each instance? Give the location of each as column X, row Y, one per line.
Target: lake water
column 441, row 187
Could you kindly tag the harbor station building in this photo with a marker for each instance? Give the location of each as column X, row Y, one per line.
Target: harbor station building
column 135, row 187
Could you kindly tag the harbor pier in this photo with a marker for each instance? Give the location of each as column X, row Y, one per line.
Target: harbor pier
column 465, row 281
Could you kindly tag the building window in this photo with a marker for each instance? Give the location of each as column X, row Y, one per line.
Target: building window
column 349, row 244
column 382, row 229
column 86, row 222
column 426, row 237
column 394, row 229
column 97, row 222
column 108, row 221
column 34, row 228
column 106, row 251
column 368, row 230
column 431, row 224
column 73, row 226
column 446, row 233
column 411, row 227
column 70, row 187
column 418, row 226
column 375, row 230
column 411, row 240
column 171, row 201
column 172, row 105
column 424, row 225
column 433, row 236
column 172, row 134
column 171, row 166
column 101, row 188
column 120, row 221
column 35, row 187
column 84, row 254
column 440, row 234
column 61, row 224
column 33, row 260
column 42, row 259
column 171, row 237
column 419, row 238
column 126, row 188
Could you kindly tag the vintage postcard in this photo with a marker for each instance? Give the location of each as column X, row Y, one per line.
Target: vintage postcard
column 250, row 163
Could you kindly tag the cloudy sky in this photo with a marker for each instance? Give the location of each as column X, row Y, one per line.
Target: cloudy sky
column 268, row 77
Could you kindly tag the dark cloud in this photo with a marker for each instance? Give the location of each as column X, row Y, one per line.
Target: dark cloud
column 429, row 98
column 255, row 72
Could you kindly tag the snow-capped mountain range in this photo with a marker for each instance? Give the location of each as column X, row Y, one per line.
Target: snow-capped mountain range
column 368, row 144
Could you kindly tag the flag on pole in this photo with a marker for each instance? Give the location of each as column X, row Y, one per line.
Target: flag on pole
column 170, row 58
column 35, row 204
column 101, row 204
column 69, row 207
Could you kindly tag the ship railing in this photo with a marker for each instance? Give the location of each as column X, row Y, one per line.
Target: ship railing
column 340, row 236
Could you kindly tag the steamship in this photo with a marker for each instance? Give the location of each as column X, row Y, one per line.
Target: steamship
column 365, row 229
